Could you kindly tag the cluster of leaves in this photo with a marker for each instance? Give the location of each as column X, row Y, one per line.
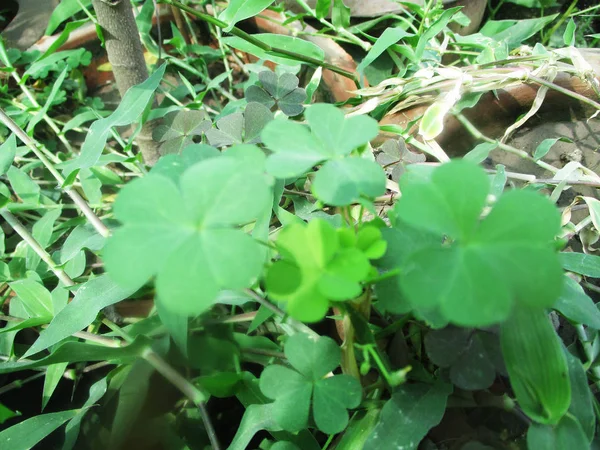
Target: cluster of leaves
column 457, row 274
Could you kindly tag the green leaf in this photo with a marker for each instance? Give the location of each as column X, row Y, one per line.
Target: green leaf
column 132, row 397
column 567, row 434
column 515, row 32
column 185, row 234
column 315, row 268
column 332, row 135
column 577, row 306
column 35, row 297
column 544, row 147
column 64, row 11
column 255, row 419
column 179, row 129
column 240, row 128
column 389, row 37
column 44, row 110
column 29, row 432
column 536, row 365
column 569, row 34
column 8, row 150
column 289, row 43
column 242, row 9
column 89, row 300
column 54, row 373
column 281, row 91
column 82, row 236
column 465, row 353
column 42, row 233
column 582, row 399
column 340, row 14
column 344, row 181
column 409, row 415
column 359, row 429
column 322, row 8
column 292, row 390
column 73, row 352
column 485, row 266
column 97, row 391
column 130, row 109
column 24, row 187
column 587, row 265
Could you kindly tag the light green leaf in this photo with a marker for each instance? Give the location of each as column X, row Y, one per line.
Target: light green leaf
column 130, row 109
column 389, row 37
column 322, row 8
column 82, row 236
column 8, row 151
column 24, row 187
column 485, row 265
column 35, row 297
column 44, row 110
column 242, row 9
column 536, row 365
column 42, row 233
column 89, row 300
column 332, row 135
column 584, row 264
column 65, row 10
column 569, row 34
column 576, row 305
column 186, row 236
column 344, row 181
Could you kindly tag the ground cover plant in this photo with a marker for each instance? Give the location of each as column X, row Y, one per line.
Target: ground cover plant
column 232, row 252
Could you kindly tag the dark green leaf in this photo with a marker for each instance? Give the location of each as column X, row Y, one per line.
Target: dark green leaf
column 409, row 415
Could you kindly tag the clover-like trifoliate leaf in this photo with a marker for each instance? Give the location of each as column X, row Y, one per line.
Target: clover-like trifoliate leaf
column 331, row 135
column 475, row 277
column 172, row 166
column 472, row 356
column 179, row 129
column 318, row 266
column 341, row 182
column 238, row 128
column 394, row 157
column 293, row 389
column 281, row 91
column 186, row 234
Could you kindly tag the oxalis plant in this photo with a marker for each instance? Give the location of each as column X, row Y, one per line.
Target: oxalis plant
column 295, row 302
column 476, row 265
